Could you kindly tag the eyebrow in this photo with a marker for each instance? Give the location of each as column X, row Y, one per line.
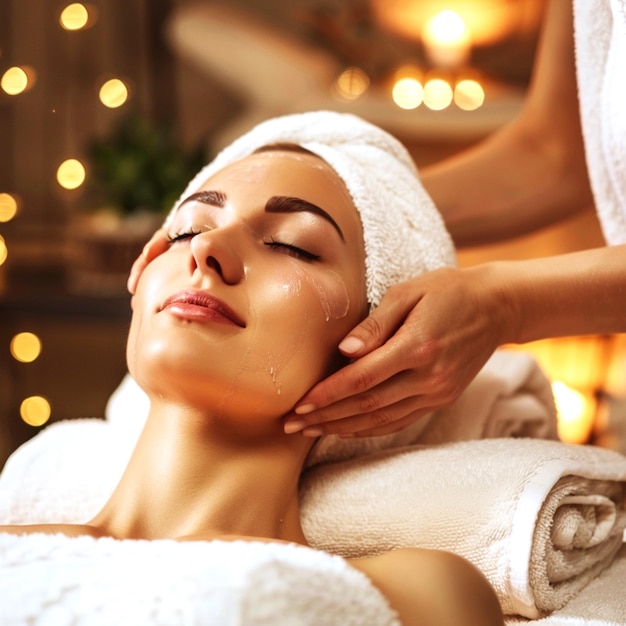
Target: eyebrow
column 214, row 198
column 276, row 204
column 290, row 204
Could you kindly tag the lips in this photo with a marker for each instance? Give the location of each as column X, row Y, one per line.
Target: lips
column 201, row 306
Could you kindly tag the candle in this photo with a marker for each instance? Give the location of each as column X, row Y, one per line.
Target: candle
column 446, row 40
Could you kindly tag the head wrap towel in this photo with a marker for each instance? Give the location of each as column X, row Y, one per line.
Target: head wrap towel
column 403, row 232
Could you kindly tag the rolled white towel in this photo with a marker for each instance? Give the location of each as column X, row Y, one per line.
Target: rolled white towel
column 539, row 518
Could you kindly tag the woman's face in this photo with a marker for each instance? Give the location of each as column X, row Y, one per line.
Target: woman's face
column 264, row 276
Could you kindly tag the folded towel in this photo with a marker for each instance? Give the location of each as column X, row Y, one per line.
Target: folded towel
column 510, row 397
column 539, row 518
column 53, row 579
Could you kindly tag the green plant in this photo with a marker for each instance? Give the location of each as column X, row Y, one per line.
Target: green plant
column 140, row 166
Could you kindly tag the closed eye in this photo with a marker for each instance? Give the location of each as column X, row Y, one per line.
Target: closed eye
column 182, row 236
column 291, row 250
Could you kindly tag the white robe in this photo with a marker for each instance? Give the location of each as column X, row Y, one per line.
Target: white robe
column 600, row 38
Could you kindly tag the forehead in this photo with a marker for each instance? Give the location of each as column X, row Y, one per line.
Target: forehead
column 289, row 173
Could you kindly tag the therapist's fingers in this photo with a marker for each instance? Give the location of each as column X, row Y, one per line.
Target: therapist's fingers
column 356, row 388
column 157, row 245
column 381, row 400
column 390, row 419
column 382, row 323
column 394, row 427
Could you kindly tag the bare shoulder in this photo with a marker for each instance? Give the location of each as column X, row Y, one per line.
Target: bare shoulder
column 432, row 587
column 71, row 530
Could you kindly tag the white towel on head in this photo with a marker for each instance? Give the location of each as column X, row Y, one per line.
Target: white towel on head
column 403, row 231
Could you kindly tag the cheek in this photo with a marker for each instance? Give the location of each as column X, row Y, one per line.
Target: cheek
column 144, row 303
column 307, row 315
column 329, row 292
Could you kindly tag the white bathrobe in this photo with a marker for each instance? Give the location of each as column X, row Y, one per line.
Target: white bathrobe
column 600, row 37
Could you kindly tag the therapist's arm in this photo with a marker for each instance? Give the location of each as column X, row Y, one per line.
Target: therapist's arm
column 532, row 172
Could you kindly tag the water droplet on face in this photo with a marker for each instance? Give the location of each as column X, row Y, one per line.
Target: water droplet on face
column 332, row 292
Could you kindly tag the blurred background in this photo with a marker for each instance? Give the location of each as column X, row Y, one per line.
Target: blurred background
column 108, row 107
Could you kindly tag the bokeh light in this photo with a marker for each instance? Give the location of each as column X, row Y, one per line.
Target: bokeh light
column 408, row 93
column 8, row 207
column 74, row 16
column 113, row 93
column 71, row 174
column 25, row 347
column 35, row 410
column 575, row 411
column 17, row 80
column 469, row 95
column 352, row 83
column 447, row 27
column 437, row 94
column 4, row 252
column 446, row 39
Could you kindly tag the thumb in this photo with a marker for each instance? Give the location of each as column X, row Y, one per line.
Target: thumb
column 375, row 329
column 157, row 245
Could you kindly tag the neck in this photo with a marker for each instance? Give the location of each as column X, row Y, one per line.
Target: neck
column 190, row 476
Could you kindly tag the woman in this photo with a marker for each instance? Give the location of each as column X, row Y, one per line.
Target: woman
column 430, row 336
column 265, row 271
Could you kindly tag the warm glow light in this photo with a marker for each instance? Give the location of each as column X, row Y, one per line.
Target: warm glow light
column 35, row 410
column 15, row 80
column 488, row 21
column 352, row 83
column 437, row 94
column 575, row 413
column 8, row 207
column 71, row 174
column 469, row 95
column 446, row 39
column 446, row 27
column 113, row 93
column 4, row 253
column 74, row 16
column 408, row 93
column 25, row 347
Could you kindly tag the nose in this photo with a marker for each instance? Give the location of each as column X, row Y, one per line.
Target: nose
column 216, row 251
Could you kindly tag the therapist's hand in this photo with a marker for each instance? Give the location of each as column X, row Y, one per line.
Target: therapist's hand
column 416, row 352
column 156, row 246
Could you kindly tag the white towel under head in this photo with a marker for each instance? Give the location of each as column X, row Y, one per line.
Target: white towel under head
column 403, row 232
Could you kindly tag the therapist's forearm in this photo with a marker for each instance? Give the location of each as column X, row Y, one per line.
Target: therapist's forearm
column 532, row 172
column 503, row 188
column 572, row 294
